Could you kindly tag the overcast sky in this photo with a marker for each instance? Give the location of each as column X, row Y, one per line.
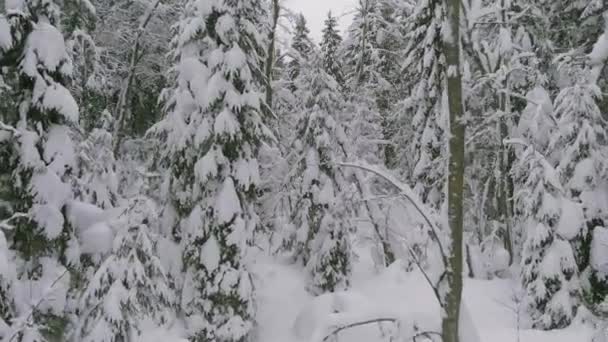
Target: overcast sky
column 315, row 12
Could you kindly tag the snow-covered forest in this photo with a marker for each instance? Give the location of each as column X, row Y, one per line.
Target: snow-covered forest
column 205, row 171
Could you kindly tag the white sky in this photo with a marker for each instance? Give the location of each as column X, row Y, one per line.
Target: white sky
column 315, row 12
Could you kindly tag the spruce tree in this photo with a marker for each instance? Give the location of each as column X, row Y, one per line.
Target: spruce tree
column 97, row 181
column 130, row 288
column 38, row 157
column 7, row 281
column 425, row 72
column 579, row 150
column 213, row 131
column 549, row 271
column 330, row 45
column 320, row 220
column 301, row 47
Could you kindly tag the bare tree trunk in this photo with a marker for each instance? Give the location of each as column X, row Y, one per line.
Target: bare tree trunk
column 505, row 164
column 270, row 53
column 134, row 59
column 453, row 276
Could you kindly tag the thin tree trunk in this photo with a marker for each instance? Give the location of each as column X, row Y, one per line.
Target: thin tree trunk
column 123, row 99
column 270, row 53
column 505, row 165
column 454, row 269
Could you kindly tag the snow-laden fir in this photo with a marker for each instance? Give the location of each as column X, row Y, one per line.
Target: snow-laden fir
column 204, row 170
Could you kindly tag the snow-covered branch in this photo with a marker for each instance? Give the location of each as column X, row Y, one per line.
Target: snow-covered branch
column 9, row 128
column 408, row 194
column 25, row 320
column 6, row 223
column 357, row 324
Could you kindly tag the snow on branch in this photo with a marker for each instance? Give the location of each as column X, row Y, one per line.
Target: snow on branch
column 408, row 194
column 9, row 128
column 23, row 321
column 6, row 223
column 413, row 338
column 357, row 324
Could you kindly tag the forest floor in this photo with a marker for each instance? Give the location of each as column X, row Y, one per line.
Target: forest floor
column 287, row 313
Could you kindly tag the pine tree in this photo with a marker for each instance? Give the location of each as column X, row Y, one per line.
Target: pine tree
column 549, row 271
column 130, row 287
column 321, row 238
column 39, row 158
column 213, row 130
column 330, row 46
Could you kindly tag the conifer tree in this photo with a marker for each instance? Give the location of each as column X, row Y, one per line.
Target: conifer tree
column 130, row 288
column 549, row 271
column 213, row 130
column 7, row 281
column 301, row 47
column 579, row 150
column 39, row 158
column 320, row 220
column 97, row 167
column 425, row 67
column 330, row 46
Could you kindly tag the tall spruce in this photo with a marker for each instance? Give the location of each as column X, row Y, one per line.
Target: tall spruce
column 38, row 158
column 425, row 71
column 330, row 48
column 578, row 148
column 549, row 272
column 319, row 217
column 301, row 47
column 213, row 129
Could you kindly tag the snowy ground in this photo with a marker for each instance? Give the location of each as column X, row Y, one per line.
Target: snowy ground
column 286, row 313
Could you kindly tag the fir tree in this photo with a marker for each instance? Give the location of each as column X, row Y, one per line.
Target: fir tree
column 549, row 271
column 301, row 47
column 213, row 131
column 330, row 46
column 97, row 178
column 579, row 150
column 425, row 65
column 130, row 287
column 320, row 219
column 39, row 158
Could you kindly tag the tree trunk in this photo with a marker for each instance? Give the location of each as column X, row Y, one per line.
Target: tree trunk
column 453, row 276
column 505, row 165
column 134, row 59
column 270, row 53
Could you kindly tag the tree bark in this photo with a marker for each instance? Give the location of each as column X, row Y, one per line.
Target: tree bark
column 125, row 92
column 453, row 275
column 270, row 52
column 505, row 165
